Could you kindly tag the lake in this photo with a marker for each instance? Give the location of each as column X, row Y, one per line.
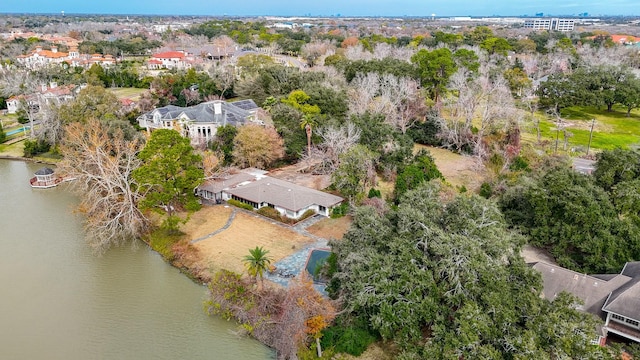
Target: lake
column 60, row 301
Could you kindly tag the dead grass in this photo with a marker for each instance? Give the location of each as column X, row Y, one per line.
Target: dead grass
column 206, row 221
column 458, row 170
column 226, row 249
column 331, row 228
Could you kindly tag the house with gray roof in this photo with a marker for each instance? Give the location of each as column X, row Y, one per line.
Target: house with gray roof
column 200, row 122
column 254, row 187
column 614, row 298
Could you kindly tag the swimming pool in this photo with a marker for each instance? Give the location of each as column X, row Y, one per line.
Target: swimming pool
column 316, row 259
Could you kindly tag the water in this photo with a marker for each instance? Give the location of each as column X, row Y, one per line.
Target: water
column 59, row 301
column 316, row 259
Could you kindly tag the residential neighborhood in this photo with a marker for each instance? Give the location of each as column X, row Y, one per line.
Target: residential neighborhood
column 377, row 187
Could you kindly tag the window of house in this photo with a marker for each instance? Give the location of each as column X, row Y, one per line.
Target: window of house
column 632, row 322
column 617, row 317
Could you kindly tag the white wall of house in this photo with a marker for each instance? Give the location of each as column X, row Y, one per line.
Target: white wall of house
column 13, row 106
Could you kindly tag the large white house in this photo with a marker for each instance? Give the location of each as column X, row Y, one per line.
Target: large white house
column 200, row 122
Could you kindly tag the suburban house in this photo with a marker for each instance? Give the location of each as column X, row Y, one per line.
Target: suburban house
column 614, row 298
column 39, row 58
column 50, row 94
column 200, row 122
column 179, row 60
column 254, row 187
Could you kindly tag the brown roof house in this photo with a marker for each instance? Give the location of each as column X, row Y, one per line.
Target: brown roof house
column 614, row 298
column 253, row 187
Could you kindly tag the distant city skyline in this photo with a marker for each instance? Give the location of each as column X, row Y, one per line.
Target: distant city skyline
column 327, row 7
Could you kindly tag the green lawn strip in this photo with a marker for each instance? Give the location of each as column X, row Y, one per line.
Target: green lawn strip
column 620, row 131
column 128, row 93
column 161, row 241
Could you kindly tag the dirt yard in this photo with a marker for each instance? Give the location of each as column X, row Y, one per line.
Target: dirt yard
column 294, row 173
column 331, row 228
column 226, row 249
column 458, row 170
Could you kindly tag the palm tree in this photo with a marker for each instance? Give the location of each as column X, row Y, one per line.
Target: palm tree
column 307, row 123
column 257, row 262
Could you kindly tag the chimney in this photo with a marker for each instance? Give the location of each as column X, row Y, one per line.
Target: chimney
column 54, row 49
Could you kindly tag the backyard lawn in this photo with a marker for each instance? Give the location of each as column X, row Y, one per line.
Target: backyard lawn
column 128, row 93
column 226, row 249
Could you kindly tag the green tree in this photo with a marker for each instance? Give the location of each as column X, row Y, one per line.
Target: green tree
column 628, row 93
column 616, row 166
column 224, row 142
column 569, row 214
column 420, row 170
column 496, row 45
column 257, row 262
column 467, row 58
column 168, row 176
column 299, row 100
column 93, row 102
column 435, row 68
column 463, row 291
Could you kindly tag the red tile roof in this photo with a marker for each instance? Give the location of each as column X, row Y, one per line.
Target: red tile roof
column 169, row 55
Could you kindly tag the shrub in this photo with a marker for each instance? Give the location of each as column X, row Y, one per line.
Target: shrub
column 373, row 192
column 339, row 211
column 35, row 147
column 307, row 214
column 486, row 190
column 352, row 339
column 239, row 204
column 519, row 164
column 270, row 213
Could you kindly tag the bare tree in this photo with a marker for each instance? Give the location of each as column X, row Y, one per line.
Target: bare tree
column 16, row 82
column 335, row 142
column 191, row 96
column 484, row 103
column 398, row 98
column 315, row 50
column 224, row 76
column 102, row 165
column 362, row 91
column 50, row 130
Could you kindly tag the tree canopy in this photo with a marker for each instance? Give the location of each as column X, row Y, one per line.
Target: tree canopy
column 462, row 291
column 168, row 175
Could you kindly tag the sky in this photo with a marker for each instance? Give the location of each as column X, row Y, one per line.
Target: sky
column 327, row 7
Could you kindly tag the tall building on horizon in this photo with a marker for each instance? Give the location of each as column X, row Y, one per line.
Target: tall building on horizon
column 550, row 24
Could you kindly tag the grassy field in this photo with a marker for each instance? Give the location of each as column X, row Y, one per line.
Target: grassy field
column 128, row 93
column 611, row 130
column 13, row 150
